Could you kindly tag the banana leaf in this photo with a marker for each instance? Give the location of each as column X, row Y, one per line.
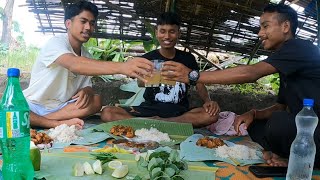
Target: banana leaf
column 176, row 131
column 191, row 152
column 59, row 166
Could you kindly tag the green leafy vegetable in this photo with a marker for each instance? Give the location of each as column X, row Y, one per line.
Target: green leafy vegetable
column 104, row 157
column 163, row 165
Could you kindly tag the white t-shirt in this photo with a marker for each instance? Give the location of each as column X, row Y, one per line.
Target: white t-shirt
column 51, row 84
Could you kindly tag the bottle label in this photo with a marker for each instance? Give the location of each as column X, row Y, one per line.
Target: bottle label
column 16, row 124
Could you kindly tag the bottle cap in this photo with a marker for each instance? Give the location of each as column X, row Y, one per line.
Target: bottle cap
column 308, row 102
column 13, row 72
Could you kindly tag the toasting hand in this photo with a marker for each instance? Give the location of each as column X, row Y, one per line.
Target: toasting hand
column 175, row 71
column 137, row 68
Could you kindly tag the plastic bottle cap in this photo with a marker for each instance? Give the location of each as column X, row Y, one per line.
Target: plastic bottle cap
column 13, row 72
column 308, row 102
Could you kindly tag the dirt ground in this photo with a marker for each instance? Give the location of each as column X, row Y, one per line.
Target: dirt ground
column 228, row 99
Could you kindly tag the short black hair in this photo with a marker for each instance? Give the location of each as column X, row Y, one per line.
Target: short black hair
column 169, row 18
column 74, row 9
column 286, row 13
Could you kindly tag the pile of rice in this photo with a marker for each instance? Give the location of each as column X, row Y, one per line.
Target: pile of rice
column 237, row 151
column 151, row 135
column 64, row 133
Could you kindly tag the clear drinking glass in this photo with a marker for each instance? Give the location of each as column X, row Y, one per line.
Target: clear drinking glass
column 154, row 80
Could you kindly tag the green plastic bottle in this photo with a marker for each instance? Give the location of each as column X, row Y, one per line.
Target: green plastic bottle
column 15, row 131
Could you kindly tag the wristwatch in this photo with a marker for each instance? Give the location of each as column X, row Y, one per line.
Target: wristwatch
column 193, row 77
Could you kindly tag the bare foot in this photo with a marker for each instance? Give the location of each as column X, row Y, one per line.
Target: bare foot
column 274, row 160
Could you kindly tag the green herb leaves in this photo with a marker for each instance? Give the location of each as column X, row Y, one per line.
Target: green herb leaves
column 163, row 165
column 104, row 157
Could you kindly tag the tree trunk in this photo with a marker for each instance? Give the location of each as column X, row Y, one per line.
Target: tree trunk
column 7, row 22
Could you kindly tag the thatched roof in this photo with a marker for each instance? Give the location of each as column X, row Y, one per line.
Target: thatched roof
column 210, row 25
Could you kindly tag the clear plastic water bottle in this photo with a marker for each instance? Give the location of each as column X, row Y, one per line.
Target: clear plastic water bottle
column 15, row 131
column 303, row 148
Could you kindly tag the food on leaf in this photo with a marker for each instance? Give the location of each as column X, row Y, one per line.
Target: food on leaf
column 87, row 168
column 97, row 167
column 210, row 142
column 119, row 130
column 104, row 157
column 78, row 169
column 40, row 137
column 114, row 164
column 163, row 164
column 120, row 172
column 76, row 149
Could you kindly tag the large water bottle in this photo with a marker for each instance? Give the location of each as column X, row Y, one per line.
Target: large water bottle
column 15, row 131
column 303, row 148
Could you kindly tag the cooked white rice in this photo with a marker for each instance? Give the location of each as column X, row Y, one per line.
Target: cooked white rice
column 237, row 151
column 151, row 135
column 64, row 133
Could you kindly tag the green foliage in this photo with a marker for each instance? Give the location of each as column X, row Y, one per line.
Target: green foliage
column 16, row 26
column 153, row 43
column 109, row 49
column 4, row 49
column 104, row 157
column 264, row 85
column 249, row 88
column 272, row 82
column 21, row 57
column 163, row 165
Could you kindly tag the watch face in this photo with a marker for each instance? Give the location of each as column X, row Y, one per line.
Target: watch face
column 194, row 75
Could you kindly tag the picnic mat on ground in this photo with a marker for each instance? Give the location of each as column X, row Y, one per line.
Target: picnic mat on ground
column 176, row 131
column 58, row 166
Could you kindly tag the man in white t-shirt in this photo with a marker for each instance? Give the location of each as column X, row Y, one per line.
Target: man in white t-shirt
column 60, row 89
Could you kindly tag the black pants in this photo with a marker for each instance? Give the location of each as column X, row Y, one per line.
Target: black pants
column 277, row 134
column 164, row 110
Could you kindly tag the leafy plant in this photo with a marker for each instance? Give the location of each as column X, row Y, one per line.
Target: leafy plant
column 264, row 85
column 163, row 165
column 21, row 57
column 109, row 49
column 272, row 81
column 153, row 43
column 4, row 49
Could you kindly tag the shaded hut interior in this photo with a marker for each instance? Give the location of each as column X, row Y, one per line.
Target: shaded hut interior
column 209, row 25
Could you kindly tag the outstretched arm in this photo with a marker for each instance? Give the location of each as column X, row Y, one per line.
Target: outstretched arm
column 236, row 75
column 137, row 67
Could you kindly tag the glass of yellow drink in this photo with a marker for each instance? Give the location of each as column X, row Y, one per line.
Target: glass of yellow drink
column 154, row 80
column 167, row 82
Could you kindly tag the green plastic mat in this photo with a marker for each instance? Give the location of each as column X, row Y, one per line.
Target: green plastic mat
column 59, row 166
column 176, row 131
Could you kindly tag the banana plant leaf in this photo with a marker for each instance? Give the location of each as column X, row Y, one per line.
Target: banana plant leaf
column 191, row 152
column 137, row 98
column 176, row 131
column 59, row 166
